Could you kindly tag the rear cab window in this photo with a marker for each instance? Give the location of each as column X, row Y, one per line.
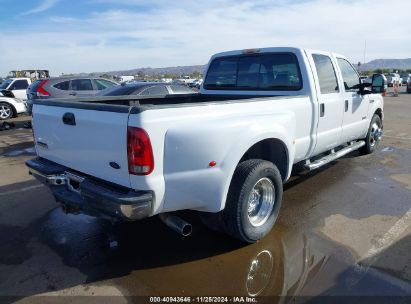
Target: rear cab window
column 257, row 72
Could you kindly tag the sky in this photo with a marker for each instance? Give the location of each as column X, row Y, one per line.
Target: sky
column 71, row 36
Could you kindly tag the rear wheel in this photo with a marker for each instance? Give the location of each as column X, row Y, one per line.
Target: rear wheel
column 6, row 111
column 373, row 136
column 253, row 201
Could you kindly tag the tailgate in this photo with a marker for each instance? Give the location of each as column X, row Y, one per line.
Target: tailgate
column 90, row 141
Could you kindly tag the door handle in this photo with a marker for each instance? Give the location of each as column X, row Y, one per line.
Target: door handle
column 346, row 105
column 322, row 110
column 69, row 119
column 73, row 94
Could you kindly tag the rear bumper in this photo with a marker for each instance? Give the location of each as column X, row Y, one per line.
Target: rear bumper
column 82, row 194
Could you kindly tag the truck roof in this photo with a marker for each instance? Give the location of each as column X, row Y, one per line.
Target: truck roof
column 292, row 49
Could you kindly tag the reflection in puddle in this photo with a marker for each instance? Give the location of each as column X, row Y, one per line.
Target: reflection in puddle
column 149, row 259
column 27, row 151
column 260, row 273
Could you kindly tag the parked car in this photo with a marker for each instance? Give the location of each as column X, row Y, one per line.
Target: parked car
column 66, row 87
column 146, row 89
column 225, row 152
column 11, row 107
column 405, row 78
column 409, row 85
column 393, row 78
column 185, row 80
column 363, row 79
column 15, row 87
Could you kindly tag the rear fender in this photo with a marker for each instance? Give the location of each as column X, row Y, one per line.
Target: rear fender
column 191, row 182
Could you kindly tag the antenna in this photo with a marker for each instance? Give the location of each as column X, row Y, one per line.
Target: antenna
column 365, row 49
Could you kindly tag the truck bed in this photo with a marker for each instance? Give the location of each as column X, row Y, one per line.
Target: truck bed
column 121, row 104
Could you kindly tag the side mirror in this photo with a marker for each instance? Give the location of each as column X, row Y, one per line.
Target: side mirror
column 361, row 86
column 378, row 84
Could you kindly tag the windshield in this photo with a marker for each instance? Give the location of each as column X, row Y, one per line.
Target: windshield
column 5, row 84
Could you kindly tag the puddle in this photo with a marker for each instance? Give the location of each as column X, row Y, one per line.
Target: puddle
column 146, row 258
column 14, row 153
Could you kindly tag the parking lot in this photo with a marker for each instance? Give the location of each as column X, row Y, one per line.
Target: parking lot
column 343, row 230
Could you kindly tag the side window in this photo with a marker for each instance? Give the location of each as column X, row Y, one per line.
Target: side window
column 103, row 84
column 65, row 85
column 81, row 85
column 19, row 85
column 155, row 90
column 349, row 75
column 326, row 74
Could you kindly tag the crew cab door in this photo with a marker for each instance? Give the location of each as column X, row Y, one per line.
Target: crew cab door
column 355, row 105
column 330, row 101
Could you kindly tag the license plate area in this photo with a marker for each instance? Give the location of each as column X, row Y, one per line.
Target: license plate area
column 73, row 182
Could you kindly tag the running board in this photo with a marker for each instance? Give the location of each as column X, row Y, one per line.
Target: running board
column 333, row 156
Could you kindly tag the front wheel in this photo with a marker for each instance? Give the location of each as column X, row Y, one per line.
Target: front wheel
column 6, row 111
column 253, row 201
column 373, row 136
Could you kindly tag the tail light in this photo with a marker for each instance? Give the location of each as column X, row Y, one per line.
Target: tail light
column 139, row 152
column 41, row 92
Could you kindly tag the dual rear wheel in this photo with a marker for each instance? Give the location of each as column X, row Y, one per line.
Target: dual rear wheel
column 253, row 202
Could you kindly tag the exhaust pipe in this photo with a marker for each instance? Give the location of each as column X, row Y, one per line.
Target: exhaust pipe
column 176, row 223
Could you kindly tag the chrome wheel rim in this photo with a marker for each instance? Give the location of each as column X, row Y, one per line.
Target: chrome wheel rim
column 5, row 112
column 261, row 202
column 375, row 134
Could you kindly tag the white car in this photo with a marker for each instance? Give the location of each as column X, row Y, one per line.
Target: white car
column 11, row 107
column 17, row 86
column 393, row 78
column 225, row 152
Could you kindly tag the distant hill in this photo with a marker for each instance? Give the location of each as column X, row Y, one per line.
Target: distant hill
column 178, row 70
column 400, row 64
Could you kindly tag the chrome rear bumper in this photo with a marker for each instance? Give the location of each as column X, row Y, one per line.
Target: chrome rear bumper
column 83, row 194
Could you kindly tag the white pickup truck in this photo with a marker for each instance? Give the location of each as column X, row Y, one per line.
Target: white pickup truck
column 225, row 151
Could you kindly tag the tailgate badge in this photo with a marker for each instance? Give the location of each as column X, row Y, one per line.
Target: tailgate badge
column 114, row 165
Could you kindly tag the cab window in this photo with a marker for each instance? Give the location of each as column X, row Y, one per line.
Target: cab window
column 349, row 75
column 326, row 74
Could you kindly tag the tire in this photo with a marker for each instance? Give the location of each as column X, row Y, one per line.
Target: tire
column 240, row 219
column 371, row 143
column 6, row 111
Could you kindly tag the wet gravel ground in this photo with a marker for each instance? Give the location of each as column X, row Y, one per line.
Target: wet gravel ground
column 343, row 230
